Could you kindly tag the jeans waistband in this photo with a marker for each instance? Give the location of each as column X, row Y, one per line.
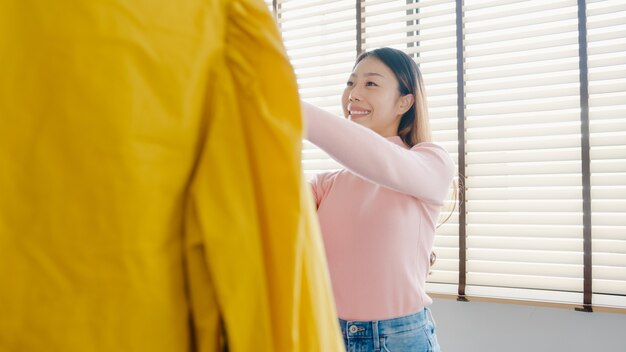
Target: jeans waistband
column 375, row 328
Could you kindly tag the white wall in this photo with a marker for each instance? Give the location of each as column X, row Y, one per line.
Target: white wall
column 499, row 327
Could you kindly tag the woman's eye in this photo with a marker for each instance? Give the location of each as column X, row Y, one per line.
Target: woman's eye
column 371, row 84
column 349, row 83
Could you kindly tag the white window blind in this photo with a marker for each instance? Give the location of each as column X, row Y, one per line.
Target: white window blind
column 606, row 29
column 517, row 89
column 523, row 145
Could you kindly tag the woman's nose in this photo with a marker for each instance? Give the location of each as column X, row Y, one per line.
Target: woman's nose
column 354, row 95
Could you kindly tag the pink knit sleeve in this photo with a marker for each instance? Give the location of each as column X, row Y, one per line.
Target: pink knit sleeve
column 424, row 171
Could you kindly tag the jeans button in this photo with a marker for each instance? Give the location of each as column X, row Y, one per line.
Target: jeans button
column 353, row 329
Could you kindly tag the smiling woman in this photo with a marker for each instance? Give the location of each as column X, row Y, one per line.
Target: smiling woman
column 379, row 213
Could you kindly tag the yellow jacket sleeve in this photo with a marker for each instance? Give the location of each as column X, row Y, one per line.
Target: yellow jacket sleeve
column 151, row 193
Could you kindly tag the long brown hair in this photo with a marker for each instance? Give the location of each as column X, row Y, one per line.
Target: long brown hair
column 414, row 125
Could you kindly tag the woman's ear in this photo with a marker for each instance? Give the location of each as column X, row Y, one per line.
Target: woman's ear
column 406, row 101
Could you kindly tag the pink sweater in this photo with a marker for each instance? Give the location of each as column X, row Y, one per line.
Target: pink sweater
column 377, row 216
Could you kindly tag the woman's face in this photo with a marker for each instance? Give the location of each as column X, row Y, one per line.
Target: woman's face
column 371, row 98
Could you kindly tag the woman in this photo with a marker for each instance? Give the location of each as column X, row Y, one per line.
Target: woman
column 378, row 214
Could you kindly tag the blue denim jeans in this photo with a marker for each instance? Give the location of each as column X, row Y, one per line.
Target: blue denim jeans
column 411, row 333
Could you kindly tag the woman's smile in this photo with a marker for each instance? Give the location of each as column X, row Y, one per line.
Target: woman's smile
column 356, row 112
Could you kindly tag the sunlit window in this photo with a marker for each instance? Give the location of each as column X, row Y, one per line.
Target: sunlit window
column 538, row 89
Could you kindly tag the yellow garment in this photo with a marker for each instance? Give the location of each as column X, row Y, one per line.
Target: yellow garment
column 150, row 182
